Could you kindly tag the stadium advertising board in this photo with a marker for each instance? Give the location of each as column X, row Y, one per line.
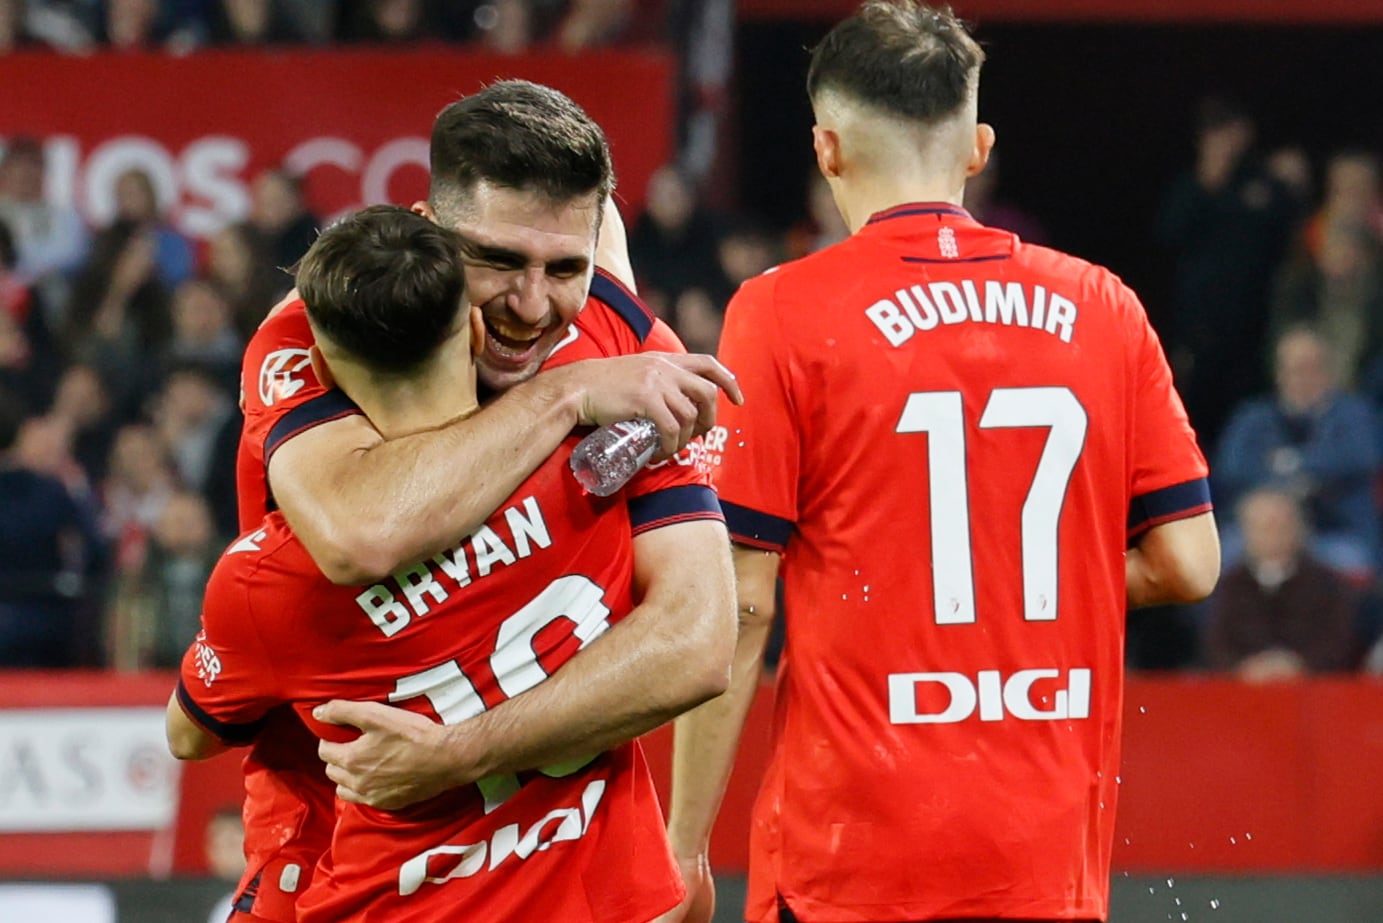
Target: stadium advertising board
column 353, row 123
column 65, row 769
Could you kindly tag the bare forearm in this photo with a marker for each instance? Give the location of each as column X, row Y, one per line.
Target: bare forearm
column 388, row 503
column 705, row 743
column 670, row 654
column 1175, row 562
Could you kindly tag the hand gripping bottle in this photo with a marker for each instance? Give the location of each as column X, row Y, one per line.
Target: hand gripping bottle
column 606, row 459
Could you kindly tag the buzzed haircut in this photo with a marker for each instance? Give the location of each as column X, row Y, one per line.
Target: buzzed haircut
column 899, row 56
column 518, row 135
column 385, row 285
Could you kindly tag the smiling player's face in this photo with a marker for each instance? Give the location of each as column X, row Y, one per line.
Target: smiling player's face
column 528, row 268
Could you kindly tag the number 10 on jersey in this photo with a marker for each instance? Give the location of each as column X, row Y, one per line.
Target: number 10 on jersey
column 941, row 415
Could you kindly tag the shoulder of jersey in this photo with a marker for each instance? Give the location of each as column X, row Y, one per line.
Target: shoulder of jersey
column 271, row 543
column 613, row 307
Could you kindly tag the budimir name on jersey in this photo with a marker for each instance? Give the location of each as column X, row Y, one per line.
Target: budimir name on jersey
column 392, row 605
column 923, row 307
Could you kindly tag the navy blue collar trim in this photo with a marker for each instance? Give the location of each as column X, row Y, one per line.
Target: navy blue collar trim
column 907, row 211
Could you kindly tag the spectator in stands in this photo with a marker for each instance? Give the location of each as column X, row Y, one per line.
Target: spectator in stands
column 139, row 481
column 396, row 21
column 591, row 23
column 50, row 239
column 746, row 250
column 1227, row 222
column 1353, row 197
column 190, row 413
column 281, row 217
column 204, row 332
column 674, row 243
column 14, row 33
column 158, row 605
column 49, row 552
column 1314, row 439
column 244, row 274
column 119, row 315
column 29, row 359
column 982, row 200
column 504, row 26
column 1279, row 613
column 136, row 202
column 254, row 23
column 1337, row 287
column 83, row 405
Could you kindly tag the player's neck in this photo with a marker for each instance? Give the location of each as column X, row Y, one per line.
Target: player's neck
column 869, row 197
column 402, row 405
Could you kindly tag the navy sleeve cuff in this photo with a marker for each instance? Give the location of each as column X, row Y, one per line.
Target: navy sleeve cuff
column 324, row 407
column 756, row 529
column 672, row 505
column 233, row 734
column 1178, row 501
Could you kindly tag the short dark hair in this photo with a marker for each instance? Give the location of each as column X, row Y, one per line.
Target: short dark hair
column 520, row 135
column 385, row 285
column 900, row 56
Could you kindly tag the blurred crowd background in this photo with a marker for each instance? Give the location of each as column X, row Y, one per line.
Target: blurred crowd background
column 1261, row 257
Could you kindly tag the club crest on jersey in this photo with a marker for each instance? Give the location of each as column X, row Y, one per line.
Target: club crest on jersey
column 282, row 374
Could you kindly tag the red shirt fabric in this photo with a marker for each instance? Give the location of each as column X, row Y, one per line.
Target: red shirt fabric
column 951, row 436
column 289, row 802
column 449, row 638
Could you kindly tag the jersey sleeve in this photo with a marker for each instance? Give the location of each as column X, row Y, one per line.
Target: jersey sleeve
column 754, row 452
column 226, row 680
column 676, row 489
column 1169, row 477
column 281, row 398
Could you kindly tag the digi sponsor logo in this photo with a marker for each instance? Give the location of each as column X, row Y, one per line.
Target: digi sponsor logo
column 949, row 698
column 443, row 863
column 208, row 664
column 283, row 374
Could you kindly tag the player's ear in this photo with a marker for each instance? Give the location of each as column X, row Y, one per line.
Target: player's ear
column 826, row 143
column 477, row 331
column 979, row 154
column 422, row 207
column 320, row 368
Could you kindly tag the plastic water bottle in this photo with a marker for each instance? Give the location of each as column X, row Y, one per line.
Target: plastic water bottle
column 605, row 460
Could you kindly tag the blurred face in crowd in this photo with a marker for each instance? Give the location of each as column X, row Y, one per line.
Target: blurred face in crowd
column 1351, row 186
column 670, row 200
column 21, row 176
column 135, row 199
column 529, row 262
column 81, row 398
column 200, row 314
column 230, row 258
column 137, row 459
column 184, row 526
column 1272, row 526
column 1304, row 375
column 130, row 23
column 275, row 201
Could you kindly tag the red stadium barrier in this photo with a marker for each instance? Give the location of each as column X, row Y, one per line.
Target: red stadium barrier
column 354, row 122
column 1218, row 777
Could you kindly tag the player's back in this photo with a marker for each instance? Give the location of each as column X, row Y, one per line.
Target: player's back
column 951, row 480
column 451, row 637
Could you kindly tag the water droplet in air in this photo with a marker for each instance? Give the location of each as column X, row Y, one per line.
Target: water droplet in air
column 1142, row 709
column 1248, row 836
column 1171, row 883
column 1118, row 780
column 1127, row 841
column 1214, row 904
column 1233, row 841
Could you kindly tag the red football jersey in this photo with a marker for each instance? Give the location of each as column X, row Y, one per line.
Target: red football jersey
column 951, row 436
column 450, row 637
column 288, row 799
